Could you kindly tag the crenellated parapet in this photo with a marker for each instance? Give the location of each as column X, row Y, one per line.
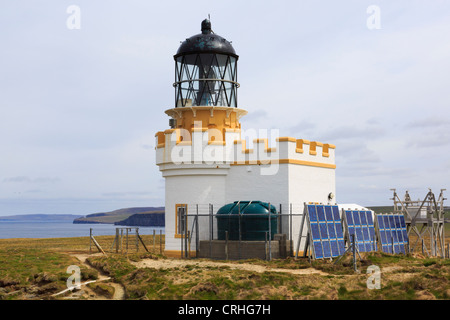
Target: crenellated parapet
column 202, row 146
column 287, row 150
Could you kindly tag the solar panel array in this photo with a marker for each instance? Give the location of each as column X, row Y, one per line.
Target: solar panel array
column 392, row 232
column 360, row 223
column 325, row 231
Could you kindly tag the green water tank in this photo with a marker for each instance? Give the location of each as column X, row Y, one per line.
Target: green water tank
column 251, row 217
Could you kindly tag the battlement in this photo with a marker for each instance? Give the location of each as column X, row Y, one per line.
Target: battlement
column 207, row 146
column 286, row 150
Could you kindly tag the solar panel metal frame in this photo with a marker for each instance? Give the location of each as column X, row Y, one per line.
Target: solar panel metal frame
column 392, row 233
column 360, row 223
column 323, row 221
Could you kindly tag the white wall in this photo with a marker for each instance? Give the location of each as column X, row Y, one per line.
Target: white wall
column 191, row 190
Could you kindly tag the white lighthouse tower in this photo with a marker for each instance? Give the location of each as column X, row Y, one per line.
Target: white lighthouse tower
column 204, row 158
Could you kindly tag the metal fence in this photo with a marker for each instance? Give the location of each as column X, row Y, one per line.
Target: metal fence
column 126, row 239
column 200, row 222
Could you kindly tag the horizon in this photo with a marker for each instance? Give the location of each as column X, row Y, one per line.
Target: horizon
column 84, row 89
column 83, row 215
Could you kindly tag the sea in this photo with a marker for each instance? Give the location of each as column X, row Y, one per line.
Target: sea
column 63, row 229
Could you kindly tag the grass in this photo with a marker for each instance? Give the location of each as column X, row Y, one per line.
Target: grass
column 37, row 268
column 102, row 289
column 36, row 272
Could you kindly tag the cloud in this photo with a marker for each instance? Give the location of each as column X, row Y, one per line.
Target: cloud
column 356, row 132
column 301, row 128
column 431, row 122
column 25, row 179
column 370, row 170
column 33, row 191
column 85, row 104
column 428, row 132
column 126, row 194
column 147, row 146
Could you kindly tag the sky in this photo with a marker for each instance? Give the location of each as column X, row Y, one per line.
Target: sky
column 82, row 93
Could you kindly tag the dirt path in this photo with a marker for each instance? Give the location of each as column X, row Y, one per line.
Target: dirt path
column 174, row 263
column 119, row 292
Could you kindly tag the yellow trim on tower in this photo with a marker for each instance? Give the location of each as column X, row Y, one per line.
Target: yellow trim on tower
column 300, row 143
column 285, row 139
column 285, row 161
column 243, row 143
column 207, row 117
column 232, row 130
column 184, row 143
column 217, row 143
column 161, row 141
column 266, row 145
column 326, row 149
column 313, row 147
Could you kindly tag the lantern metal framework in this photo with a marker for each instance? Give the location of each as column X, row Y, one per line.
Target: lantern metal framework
column 206, row 71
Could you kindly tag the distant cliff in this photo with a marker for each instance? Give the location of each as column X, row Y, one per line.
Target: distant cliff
column 144, row 219
column 112, row 217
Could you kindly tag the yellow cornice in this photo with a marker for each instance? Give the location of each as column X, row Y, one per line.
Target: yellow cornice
column 285, row 139
column 285, row 161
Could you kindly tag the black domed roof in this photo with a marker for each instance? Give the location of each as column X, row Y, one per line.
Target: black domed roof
column 206, row 42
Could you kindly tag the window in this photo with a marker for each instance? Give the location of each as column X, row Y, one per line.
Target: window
column 180, row 220
column 205, row 79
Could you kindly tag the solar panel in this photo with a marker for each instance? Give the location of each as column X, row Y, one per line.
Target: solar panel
column 339, row 230
column 360, row 224
column 392, row 232
column 371, row 227
column 403, row 228
column 325, row 230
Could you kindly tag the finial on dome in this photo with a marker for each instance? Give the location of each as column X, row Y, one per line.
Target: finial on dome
column 206, row 26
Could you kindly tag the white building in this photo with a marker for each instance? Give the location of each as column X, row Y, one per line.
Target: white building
column 204, row 156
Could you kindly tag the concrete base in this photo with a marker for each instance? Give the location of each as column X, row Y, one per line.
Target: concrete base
column 235, row 250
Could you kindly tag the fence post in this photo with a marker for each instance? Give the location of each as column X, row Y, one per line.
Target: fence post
column 265, row 247
column 197, row 236
column 127, row 229
column 186, row 234
column 226, row 245
column 181, row 237
column 137, row 239
column 210, row 231
column 117, row 240
column 240, row 230
column 121, row 240
column 270, row 233
column 291, row 242
column 392, row 243
column 160, row 241
column 354, row 252
column 279, row 219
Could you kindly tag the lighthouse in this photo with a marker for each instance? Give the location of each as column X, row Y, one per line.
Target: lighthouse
column 205, row 155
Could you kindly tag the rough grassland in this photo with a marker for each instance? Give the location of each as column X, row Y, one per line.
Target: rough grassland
column 37, row 269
